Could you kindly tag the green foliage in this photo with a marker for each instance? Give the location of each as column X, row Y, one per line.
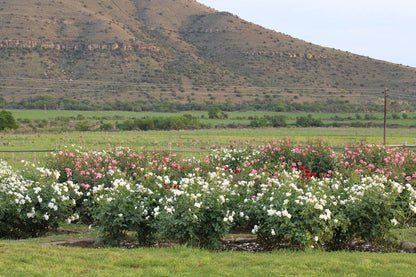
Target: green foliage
column 106, row 126
column 295, row 196
column 126, row 208
column 314, row 159
column 198, row 220
column 216, row 113
column 269, row 121
column 2, row 102
column 291, row 219
column 369, row 117
column 370, row 219
column 33, row 203
column 160, row 123
column 218, row 109
column 7, row 121
column 83, row 126
column 309, row 121
column 329, row 212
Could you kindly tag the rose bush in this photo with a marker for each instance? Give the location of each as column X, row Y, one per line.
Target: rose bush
column 33, row 202
column 295, row 196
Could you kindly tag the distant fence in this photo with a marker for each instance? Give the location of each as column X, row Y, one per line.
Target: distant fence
column 23, row 154
column 404, row 145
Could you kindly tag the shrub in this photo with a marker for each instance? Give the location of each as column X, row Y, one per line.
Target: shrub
column 216, row 113
column 33, row 204
column 196, row 219
column 83, row 126
column 293, row 213
column 7, row 121
column 272, row 121
column 308, row 121
column 315, row 159
column 123, row 208
column 278, row 121
column 106, row 126
column 368, row 208
column 298, row 213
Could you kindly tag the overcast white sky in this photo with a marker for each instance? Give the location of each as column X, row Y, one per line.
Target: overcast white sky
column 381, row 29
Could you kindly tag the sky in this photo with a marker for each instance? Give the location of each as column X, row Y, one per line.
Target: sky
column 380, row 29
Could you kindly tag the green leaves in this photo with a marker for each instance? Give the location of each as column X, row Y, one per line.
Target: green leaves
column 7, row 121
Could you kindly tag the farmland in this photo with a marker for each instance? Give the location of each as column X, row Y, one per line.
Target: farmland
column 41, row 130
column 53, row 117
column 197, row 140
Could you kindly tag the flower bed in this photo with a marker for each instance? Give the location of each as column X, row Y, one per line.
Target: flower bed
column 295, row 195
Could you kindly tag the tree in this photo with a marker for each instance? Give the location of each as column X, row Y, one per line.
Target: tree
column 308, row 121
column 278, row 121
column 213, row 113
column 7, row 121
column 216, row 113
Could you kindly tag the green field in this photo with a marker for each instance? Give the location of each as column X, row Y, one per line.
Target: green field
column 57, row 128
column 35, row 257
column 47, row 114
column 201, row 139
column 193, row 140
column 53, row 129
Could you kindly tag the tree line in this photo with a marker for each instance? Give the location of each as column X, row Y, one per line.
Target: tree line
column 328, row 105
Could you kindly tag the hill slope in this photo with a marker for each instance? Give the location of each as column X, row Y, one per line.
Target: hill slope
column 174, row 51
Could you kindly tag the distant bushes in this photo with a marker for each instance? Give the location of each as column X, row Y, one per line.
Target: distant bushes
column 269, row 121
column 48, row 102
column 160, row 123
column 216, row 113
column 308, row 121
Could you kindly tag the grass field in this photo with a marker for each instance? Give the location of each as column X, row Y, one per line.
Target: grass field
column 45, row 114
column 34, row 257
column 202, row 139
column 60, row 125
column 193, row 140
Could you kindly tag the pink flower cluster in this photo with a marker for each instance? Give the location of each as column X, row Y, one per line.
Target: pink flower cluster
column 394, row 162
column 313, row 161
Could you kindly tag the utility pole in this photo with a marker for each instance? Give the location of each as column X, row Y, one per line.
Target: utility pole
column 385, row 115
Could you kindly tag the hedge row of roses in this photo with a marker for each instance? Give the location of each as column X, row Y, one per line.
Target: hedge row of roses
column 289, row 195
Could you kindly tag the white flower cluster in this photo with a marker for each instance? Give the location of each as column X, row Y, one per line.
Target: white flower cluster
column 283, row 213
column 320, row 199
column 25, row 195
column 47, row 172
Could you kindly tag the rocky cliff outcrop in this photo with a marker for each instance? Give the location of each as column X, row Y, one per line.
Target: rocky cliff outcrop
column 76, row 46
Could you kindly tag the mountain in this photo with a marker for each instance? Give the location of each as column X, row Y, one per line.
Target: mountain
column 153, row 51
